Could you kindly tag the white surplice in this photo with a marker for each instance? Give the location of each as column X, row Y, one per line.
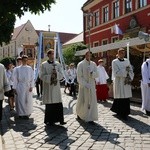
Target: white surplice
column 103, row 76
column 119, row 73
column 87, row 96
column 72, row 74
column 51, row 93
column 23, row 77
column 145, row 89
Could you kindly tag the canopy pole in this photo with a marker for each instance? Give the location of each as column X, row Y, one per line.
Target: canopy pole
column 128, row 54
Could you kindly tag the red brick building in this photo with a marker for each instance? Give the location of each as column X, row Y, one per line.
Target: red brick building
column 99, row 20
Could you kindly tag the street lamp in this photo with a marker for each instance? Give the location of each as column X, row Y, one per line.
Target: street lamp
column 89, row 15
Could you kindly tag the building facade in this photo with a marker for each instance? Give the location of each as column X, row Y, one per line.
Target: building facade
column 22, row 35
column 131, row 16
column 25, row 36
column 111, row 24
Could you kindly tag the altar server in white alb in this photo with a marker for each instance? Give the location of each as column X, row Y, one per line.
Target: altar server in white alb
column 122, row 74
column 86, row 107
column 72, row 77
column 23, row 86
column 101, row 82
column 145, row 86
column 51, row 74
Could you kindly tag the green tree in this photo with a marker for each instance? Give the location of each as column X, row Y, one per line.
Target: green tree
column 69, row 53
column 10, row 9
column 7, row 60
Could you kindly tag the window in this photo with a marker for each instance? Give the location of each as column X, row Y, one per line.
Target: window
column 116, row 9
column 96, row 17
column 142, row 3
column 104, row 42
column 128, row 6
column 9, row 51
column 114, row 39
column 96, row 44
column 105, row 14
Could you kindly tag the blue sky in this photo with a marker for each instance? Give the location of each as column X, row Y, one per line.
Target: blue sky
column 65, row 16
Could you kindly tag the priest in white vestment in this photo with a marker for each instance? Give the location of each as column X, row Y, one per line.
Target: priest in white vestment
column 86, row 107
column 51, row 74
column 23, row 84
column 101, row 82
column 122, row 73
column 145, row 86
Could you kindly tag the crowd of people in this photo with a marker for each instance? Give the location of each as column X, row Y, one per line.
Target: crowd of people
column 17, row 84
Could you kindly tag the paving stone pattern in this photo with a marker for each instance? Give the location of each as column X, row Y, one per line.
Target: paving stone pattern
column 108, row 133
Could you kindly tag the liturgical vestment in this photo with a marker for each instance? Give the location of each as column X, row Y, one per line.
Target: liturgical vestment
column 87, row 96
column 23, row 77
column 145, row 69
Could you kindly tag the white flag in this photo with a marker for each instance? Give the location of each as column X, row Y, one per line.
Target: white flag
column 117, row 30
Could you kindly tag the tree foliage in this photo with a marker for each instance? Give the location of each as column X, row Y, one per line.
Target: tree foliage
column 69, row 53
column 10, row 9
column 7, row 60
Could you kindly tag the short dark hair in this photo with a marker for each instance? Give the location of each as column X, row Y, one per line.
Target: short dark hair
column 24, row 56
column 19, row 58
column 50, row 51
column 121, row 49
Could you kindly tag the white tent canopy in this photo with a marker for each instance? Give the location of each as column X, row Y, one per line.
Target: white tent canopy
column 116, row 45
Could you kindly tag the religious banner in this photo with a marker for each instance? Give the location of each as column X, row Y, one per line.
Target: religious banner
column 48, row 41
column 62, row 61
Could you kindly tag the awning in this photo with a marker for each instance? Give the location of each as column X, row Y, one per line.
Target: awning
column 116, row 45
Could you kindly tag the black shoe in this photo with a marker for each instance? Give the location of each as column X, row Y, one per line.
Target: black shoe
column 20, row 117
column 147, row 113
column 91, row 122
column 49, row 124
column 25, row 117
column 125, row 118
column 78, row 118
column 62, row 123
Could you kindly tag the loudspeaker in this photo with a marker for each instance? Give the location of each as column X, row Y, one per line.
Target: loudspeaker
column 143, row 35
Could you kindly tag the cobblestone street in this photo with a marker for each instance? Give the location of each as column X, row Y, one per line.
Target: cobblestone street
column 108, row 133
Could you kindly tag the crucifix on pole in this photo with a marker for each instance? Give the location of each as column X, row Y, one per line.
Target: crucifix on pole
column 89, row 15
column 88, row 19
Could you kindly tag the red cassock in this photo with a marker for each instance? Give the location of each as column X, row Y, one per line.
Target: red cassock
column 102, row 92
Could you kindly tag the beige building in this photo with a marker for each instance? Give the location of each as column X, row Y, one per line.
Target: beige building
column 26, row 35
column 22, row 35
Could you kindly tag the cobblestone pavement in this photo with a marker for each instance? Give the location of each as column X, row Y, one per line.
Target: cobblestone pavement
column 108, row 133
